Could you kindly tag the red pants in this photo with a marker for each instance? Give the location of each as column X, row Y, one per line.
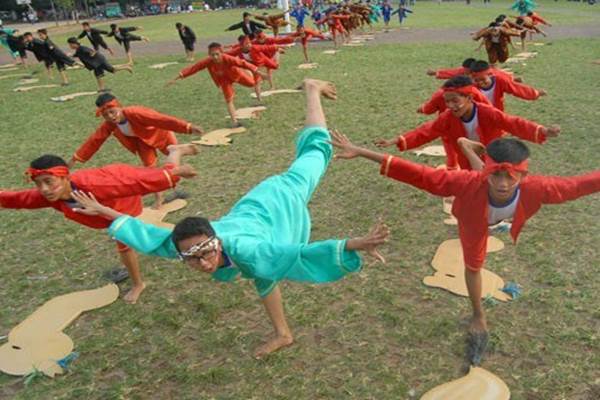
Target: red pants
column 245, row 79
column 148, row 153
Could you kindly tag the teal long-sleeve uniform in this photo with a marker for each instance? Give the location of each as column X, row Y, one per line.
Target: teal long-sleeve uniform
column 266, row 234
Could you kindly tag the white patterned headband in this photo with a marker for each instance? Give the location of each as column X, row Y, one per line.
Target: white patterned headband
column 206, row 245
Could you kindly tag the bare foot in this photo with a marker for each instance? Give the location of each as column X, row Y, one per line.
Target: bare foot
column 188, row 149
column 132, row 296
column 274, row 344
column 327, row 89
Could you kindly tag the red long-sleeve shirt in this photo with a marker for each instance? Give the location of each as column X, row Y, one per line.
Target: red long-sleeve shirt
column 229, row 70
column 148, row 125
column 508, row 85
column 258, row 55
column 117, row 186
column 471, row 189
column 536, row 19
column 491, row 124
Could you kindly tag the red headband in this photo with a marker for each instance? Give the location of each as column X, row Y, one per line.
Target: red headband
column 492, row 166
column 466, row 90
column 111, row 104
column 59, row 171
column 246, row 41
column 481, row 74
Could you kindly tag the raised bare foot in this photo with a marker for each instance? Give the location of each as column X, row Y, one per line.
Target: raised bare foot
column 274, row 344
column 327, row 89
column 188, row 149
column 132, row 296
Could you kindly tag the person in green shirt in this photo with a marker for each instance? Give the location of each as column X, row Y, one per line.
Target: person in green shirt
column 265, row 236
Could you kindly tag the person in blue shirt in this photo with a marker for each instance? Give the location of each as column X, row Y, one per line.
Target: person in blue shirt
column 386, row 11
column 299, row 13
column 401, row 11
column 265, row 236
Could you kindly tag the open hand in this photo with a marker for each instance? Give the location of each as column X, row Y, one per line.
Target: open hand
column 345, row 147
column 552, row 131
column 88, row 203
column 197, row 130
column 369, row 243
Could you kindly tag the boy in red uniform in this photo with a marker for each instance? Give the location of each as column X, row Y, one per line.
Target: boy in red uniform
column 334, row 22
column 493, row 86
column 260, row 55
column 140, row 130
column 502, row 190
column 465, row 118
column 118, row 184
column 225, row 70
column 305, row 34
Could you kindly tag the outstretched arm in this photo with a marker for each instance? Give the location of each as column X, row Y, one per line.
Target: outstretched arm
column 439, row 182
column 92, row 144
column 562, row 189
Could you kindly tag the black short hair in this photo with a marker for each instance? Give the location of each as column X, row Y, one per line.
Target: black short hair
column 113, row 26
column 44, row 31
column 480, row 65
column 178, row 25
column 214, row 45
column 246, row 14
column 493, row 24
column 241, row 38
column 501, row 17
column 28, row 34
column 519, row 20
column 73, row 40
column 85, row 23
column 467, row 63
column 103, row 99
column 48, row 161
column 458, row 82
column 190, row 227
column 530, row 13
column 507, row 150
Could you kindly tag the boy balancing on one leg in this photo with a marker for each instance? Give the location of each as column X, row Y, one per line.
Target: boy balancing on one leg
column 94, row 61
column 225, row 70
column 265, row 236
column 501, row 190
column 140, row 130
column 118, row 185
column 95, row 37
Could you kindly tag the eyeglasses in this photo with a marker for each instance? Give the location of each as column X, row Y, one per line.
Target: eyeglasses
column 200, row 251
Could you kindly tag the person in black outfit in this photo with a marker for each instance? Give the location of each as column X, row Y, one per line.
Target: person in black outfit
column 95, row 37
column 57, row 55
column 188, row 38
column 39, row 50
column 124, row 37
column 95, row 61
column 248, row 26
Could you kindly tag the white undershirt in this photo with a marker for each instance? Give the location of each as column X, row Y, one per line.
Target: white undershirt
column 498, row 214
column 247, row 56
column 472, row 125
column 489, row 93
column 126, row 129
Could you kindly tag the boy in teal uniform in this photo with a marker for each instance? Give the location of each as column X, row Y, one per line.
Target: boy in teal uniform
column 265, row 236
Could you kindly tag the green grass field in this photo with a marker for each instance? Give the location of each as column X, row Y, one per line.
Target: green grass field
column 380, row 334
column 428, row 14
